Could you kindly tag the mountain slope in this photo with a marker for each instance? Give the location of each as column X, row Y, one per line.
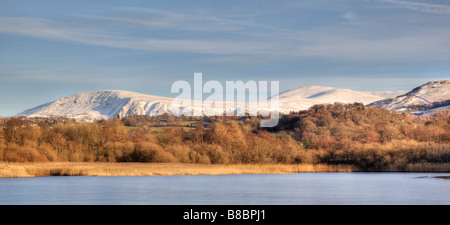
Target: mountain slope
column 421, row 100
column 107, row 104
column 386, row 94
column 102, row 105
column 305, row 97
column 89, row 106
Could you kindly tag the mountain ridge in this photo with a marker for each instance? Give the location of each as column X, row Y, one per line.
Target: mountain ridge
column 107, row 104
column 428, row 97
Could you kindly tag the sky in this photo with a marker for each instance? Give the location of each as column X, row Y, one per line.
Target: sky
column 50, row 49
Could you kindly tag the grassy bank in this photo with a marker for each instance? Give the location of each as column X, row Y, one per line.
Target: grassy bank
column 176, row 169
column 155, row 169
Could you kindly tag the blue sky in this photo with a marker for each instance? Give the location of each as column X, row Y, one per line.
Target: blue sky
column 50, row 49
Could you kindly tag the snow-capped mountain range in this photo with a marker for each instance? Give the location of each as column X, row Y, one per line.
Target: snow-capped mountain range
column 107, row 104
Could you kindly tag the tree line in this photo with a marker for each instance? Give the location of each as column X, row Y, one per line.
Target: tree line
column 369, row 138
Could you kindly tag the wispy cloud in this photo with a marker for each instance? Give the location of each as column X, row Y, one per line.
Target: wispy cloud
column 339, row 42
column 75, row 76
column 169, row 20
column 74, row 32
column 174, row 20
column 426, row 44
column 350, row 16
column 419, row 6
column 38, row 75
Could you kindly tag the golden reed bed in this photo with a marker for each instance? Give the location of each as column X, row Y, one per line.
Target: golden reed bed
column 154, row 169
column 177, row 169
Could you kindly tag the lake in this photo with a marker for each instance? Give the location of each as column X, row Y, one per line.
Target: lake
column 274, row 189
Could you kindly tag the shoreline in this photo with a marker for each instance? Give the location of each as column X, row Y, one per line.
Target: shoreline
column 16, row 170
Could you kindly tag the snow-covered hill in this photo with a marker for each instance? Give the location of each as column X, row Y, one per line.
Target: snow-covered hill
column 107, row 104
column 421, row 100
column 305, row 97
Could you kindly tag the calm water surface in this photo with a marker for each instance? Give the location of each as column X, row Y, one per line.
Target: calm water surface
column 302, row 188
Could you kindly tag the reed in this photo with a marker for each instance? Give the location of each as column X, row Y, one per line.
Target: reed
column 8, row 170
column 156, row 169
